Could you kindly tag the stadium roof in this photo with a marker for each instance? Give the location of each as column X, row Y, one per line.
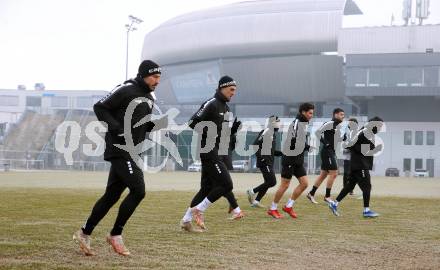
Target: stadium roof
column 252, row 28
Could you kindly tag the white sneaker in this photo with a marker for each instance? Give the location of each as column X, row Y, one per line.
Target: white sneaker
column 257, row 205
column 250, row 195
column 311, row 198
column 328, row 200
column 237, row 216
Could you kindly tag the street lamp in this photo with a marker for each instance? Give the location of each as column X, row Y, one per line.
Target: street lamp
column 130, row 27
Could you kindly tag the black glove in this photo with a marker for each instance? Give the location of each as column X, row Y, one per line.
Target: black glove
column 236, row 126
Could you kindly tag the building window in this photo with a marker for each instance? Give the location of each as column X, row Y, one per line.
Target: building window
column 84, row 102
column 418, row 164
column 394, row 77
column 419, row 138
column 407, row 137
column 413, row 76
column 431, row 76
column 406, row 164
column 430, row 166
column 430, row 138
column 374, row 77
column 59, row 102
column 356, row 77
column 7, row 100
column 33, row 101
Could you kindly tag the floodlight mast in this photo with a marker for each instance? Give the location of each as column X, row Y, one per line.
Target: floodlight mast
column 130, row 28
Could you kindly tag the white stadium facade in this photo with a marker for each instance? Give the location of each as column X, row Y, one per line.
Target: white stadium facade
column 285, row 52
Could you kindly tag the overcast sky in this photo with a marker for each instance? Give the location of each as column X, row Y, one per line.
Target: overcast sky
column 80, row 44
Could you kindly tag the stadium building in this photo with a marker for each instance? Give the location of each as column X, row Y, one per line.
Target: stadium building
column 284, row 52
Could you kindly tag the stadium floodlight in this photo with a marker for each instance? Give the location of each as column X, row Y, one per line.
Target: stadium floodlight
column 406, row 12
column 422, row 10
column 130, row 27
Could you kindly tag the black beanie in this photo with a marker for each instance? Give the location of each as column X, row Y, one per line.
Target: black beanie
column 226, row 81
column 148, row 68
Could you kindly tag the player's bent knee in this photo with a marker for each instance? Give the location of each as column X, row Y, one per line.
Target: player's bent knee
column 139, row 195
column 304, row 185
column 228, row 188
column 284, row 185
column 272, row 183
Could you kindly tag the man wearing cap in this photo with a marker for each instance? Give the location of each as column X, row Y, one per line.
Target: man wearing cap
column 215, row 179
column 124, row 173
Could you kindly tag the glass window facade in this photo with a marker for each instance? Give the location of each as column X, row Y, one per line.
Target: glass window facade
column 33, row 101
column 419, row 138
column 84, row 102
column 7, row 100
column 406, row 164
column 430, row 138
column 59, row 102
column 357, row 77
column 418, row 164
column 407, row 137
column 393, row 76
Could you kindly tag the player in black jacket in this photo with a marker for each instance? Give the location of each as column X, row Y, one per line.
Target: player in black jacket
column 361, row 164
column 329, row 161
column 293, row 163
column 215, row 178
column 124, row 173
column 265, row 158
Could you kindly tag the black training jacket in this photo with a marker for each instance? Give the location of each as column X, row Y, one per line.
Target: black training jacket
column 358, row 160
column 212, row 110
column 266, row 160
column 111, row 110
column 328, row 137
column 298, row 159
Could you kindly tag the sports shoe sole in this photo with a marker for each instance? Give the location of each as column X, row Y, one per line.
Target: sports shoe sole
column 87, row 251
column 120, row 253
column 189, row 228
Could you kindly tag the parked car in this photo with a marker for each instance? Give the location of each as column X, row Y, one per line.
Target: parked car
column 421, row 173
column 241, row 165
column 195, row 167
column 392, row 172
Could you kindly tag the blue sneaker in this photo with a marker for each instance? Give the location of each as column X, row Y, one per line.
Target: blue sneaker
column 370, row 214
column 333, row 207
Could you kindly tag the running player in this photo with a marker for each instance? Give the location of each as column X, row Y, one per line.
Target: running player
column 215, row 180
column 329, row 163
column 124, row 173
column 293, row 163
column 361, row 164
column 265, row 159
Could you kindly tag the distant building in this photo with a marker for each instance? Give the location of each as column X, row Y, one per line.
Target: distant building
column 283, row 53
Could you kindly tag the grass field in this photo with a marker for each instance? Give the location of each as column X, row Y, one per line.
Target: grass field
column 37, row 225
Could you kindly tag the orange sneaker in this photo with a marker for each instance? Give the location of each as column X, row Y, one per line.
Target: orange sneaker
column 274, row 213
column 188, row 227
column 199, row 218
column 84, row 242
column 118, row 244
column 237, row 216
column 289, row 210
